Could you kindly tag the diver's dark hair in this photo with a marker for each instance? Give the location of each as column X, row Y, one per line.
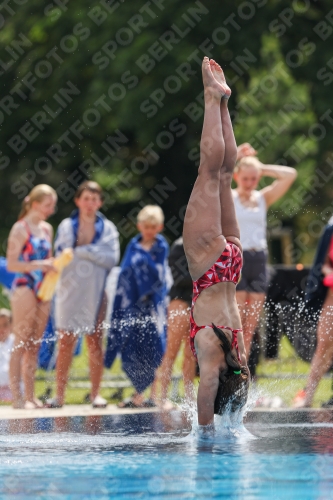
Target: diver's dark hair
column 234, row 380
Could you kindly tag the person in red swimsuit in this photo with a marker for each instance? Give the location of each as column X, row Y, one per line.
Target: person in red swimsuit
column 323, row 355
column 214, row 255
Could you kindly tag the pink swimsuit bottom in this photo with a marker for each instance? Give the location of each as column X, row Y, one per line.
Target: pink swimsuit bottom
column 227, row 268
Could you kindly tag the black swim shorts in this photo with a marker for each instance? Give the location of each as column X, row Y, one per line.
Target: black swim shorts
column 254, row 276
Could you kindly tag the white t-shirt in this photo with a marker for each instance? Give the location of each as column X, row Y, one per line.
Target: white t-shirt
column 5, row 353
column 252, row 222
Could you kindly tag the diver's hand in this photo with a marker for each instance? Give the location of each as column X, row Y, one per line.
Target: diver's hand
column 206, row 431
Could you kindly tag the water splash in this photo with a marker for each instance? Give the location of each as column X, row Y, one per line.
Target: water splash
column 292, row 319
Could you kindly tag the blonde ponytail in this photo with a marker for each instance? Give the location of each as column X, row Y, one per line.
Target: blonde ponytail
column 36, row 194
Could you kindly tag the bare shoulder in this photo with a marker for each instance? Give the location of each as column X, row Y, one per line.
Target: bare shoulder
column 47, row 228
column 17, row 237
column 19, row 229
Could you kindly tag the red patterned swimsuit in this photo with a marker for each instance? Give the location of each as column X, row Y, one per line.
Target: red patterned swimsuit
column 227, row 268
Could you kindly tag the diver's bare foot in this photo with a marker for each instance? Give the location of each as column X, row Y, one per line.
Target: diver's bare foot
column 220, row 78
column 211, row 85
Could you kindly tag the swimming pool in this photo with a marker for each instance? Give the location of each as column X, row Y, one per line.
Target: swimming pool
column 280, row 456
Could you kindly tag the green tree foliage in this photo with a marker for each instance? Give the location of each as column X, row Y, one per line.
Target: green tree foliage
column 275, row 115
column 112, row 90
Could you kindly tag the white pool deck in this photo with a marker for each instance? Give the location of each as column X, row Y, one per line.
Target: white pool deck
column 9, row 413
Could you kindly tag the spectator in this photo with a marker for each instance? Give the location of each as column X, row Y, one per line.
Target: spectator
column 251, row 211
column 29, row 256
column 319, row 297
column 178, row 325
column 47, row 348
column 6, row 344
column 138, row 321
column 80, row 301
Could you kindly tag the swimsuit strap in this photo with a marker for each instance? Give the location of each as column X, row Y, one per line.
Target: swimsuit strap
column 44, row 230
column 234, row 342
column 47, row 234
column 27, row 226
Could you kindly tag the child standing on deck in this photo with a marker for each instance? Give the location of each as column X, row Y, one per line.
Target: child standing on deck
column 80, row 302
column 138, row 322
column 29, row 256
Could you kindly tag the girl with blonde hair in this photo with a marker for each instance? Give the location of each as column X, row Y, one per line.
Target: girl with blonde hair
column 251, row 207
column 29, row 255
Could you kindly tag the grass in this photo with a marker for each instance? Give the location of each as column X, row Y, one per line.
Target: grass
column 282, row 377
column 287, row 375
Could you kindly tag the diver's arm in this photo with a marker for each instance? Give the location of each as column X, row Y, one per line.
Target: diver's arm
column 209, row 381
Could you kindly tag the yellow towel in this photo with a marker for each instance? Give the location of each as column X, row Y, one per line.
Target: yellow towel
column 47, row 288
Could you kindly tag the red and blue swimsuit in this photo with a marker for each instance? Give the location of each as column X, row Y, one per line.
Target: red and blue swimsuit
column 227, row 268
column 34, row 249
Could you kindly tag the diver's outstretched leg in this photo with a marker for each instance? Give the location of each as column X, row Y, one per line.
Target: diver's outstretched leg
column 203, row 238
column 228, row 216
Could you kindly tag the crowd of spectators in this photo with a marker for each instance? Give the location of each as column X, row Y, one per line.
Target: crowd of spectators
column 150, row 304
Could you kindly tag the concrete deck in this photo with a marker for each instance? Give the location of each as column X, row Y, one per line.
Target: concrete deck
column 9, row 413
column 281, row 415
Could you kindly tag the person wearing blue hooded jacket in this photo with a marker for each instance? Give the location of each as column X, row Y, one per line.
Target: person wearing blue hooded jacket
column 138, row 321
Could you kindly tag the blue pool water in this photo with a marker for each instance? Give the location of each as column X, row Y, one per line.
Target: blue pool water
column 156, row 456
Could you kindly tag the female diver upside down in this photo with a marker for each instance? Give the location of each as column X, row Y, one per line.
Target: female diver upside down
column 214, row 255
